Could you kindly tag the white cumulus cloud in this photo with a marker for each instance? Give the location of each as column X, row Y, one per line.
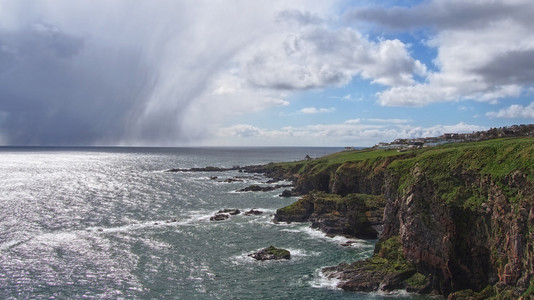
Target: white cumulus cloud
column 485, row 50
column 514, row 111
column 315, row 110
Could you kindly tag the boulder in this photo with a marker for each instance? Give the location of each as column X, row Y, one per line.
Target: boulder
column 231, row 211
column 287, row 193
column 271, row 253
column 253, row 212
column 253, row 188
column 219, row 217
column 258, row 188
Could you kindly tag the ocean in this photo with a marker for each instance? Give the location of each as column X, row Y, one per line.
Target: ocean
column 110, row 223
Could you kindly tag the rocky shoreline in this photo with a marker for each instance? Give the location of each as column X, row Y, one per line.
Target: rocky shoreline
column 455, row 220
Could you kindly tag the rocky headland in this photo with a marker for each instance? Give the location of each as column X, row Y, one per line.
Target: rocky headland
column 455, row 220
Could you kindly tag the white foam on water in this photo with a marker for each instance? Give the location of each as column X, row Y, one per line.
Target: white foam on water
column 242, row 259
column 393, row 294
column 302, row 253
column 197, row 216
column 321, row 281
column 315, row 233
column 292, row 230
column 135, row 226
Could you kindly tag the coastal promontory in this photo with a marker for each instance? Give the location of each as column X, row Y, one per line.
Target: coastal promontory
column 455, row 219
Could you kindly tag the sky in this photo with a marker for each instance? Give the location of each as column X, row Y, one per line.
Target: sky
column 261, row 73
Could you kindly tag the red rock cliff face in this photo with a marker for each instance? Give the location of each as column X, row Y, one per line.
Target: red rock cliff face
column 460, row 246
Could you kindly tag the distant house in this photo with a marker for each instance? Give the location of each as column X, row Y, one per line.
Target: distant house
column 450, row 136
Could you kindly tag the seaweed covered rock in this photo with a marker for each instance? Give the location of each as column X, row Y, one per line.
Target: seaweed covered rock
column 271, row 253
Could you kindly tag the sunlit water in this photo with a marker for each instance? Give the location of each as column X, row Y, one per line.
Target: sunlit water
column 110, row 223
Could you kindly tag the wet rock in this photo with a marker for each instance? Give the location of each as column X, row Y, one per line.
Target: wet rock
column 230, row 211
column 348, row 243
column 287, row 193
column 204, row 169
column 230, row 180
column 219, row 217
column 253, row 212
column 271, row 253
column 258, row 188
column 253, row 188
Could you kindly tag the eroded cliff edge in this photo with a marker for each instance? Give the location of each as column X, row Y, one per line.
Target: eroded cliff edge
column 458, row 219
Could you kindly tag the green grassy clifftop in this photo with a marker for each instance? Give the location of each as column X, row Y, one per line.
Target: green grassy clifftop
column 463, row 213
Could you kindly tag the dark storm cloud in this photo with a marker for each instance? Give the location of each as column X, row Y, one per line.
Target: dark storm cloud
column 443, row 14
column 48, row 98
column 113, row 72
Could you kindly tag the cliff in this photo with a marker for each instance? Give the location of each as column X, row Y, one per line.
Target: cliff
column 462, row 215
column 353, row 215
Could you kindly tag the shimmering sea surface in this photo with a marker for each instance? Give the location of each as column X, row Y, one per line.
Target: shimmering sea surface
column 109, row 223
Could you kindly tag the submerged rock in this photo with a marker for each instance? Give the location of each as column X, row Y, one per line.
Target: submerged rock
column 271, row 253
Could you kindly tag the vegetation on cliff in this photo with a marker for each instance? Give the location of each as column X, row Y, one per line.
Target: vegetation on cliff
column 352, row 215
column 387, row 269
column 463, row 213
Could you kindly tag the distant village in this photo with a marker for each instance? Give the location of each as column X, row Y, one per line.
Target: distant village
column 493, row 133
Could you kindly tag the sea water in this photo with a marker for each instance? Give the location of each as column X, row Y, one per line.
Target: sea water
column 111, row 223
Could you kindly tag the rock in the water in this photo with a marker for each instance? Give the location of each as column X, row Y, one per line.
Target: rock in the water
column 230, row 180
column 253, row 212
column 231, row 211
column 287, row 193
column 253, row 188
column 219, row 217
column 348, row 243
column 271, row 253
column 258, row 188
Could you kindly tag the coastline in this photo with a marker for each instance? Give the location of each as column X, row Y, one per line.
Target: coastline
column 436, row 239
